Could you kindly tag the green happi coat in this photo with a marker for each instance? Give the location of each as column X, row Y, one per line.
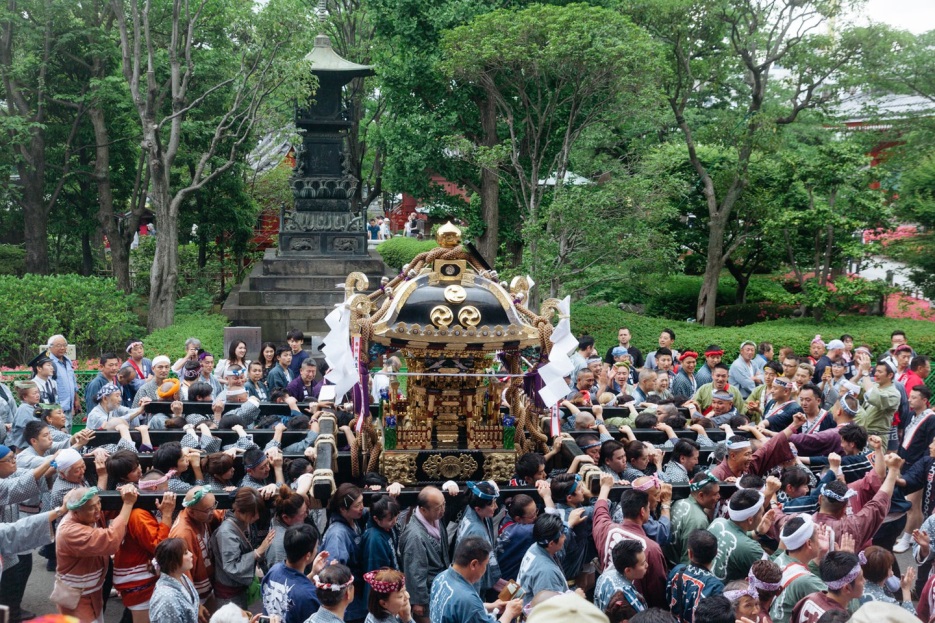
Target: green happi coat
column 798, row 582
column 736, row 552
column 687, row 515
column 705, row 395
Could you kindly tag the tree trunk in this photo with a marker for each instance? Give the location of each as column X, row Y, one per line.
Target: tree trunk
column 202, row 249
column 163, row 280
column 35, row 218
column 488, row 243
column 120, row 239
column 742, row 279
column 87, row 255
column 707, row 297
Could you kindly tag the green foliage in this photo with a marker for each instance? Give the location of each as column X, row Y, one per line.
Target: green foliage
column 577, row 260
column 748, row 313
column 224, row 212
column 90, row 311
column 552, row 73
column 603, row 322
column 917, row 191
column 12, row 260
column 198, row 302
column 193, row 280
column 400, row 250
column 844, row 295
column 919, row 254
column 724, row 94
column 676, row 296
column 271, row 190
column 209, row 328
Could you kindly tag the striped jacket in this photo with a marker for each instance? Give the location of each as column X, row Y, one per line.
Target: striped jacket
column 83, row 553
column 196, row 536
column 131, row 563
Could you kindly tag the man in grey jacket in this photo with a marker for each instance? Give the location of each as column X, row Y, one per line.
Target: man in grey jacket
column 423, row 546
column 743, row 374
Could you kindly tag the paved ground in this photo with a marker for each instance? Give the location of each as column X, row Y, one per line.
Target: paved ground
column 40, row 587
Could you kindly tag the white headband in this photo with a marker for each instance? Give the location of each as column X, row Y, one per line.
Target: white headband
column 828, row 493
column 747, row 513
column 132, row 344
column 801, row 536
column 65, row 459
column 737, row 445
column 160, row 360
column 852, row 388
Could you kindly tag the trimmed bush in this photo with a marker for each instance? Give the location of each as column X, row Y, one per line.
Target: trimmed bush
column 603, row 322
column 750, row 313
column 12, row 260
column 90, row 311
column 677, row 295
column 399, row 251
column 209, row 328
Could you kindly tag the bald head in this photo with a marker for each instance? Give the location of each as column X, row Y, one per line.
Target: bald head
column 203, row 506
column 429, row 496
column 431, row 502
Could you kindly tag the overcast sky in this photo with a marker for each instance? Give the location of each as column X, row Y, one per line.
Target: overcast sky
column 916, row 16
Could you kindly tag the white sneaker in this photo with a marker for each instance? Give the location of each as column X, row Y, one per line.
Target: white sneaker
column 903, row 544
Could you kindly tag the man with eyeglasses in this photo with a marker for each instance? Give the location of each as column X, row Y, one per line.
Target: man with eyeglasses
column 65, row 379
column 424, row 548
column 194, row 526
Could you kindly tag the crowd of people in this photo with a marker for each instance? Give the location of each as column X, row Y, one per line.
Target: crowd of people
column 828, row 457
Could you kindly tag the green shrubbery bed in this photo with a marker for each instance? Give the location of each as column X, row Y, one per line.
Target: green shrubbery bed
column 209, row 328
column 603, row 322
column 397, row 252
column 91, row 312
column 12, row 260
column 677, row 295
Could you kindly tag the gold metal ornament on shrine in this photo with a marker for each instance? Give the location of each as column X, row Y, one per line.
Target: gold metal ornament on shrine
column 441, row 316
column 450, row 467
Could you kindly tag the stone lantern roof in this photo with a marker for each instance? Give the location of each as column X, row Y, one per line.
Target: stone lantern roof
column 325, row 61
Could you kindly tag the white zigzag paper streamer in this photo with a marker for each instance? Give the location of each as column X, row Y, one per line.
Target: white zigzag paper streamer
column 563, row 342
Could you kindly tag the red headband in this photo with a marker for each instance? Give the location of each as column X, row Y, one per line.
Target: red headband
column 688, row 353
column 713, row 352
column 383, row 587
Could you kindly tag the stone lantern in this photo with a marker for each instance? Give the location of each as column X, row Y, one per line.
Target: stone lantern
column 321, row 221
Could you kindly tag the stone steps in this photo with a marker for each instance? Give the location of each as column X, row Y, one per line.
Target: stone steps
column 295, row 292
column 277, row 283
column 296, row 298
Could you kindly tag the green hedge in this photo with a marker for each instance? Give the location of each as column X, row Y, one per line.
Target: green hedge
column 397, row 252
column 209, row 328
column 751, row 313
column 677, row 296
column 12, row 260
column 603, row 322
column 90, row 311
